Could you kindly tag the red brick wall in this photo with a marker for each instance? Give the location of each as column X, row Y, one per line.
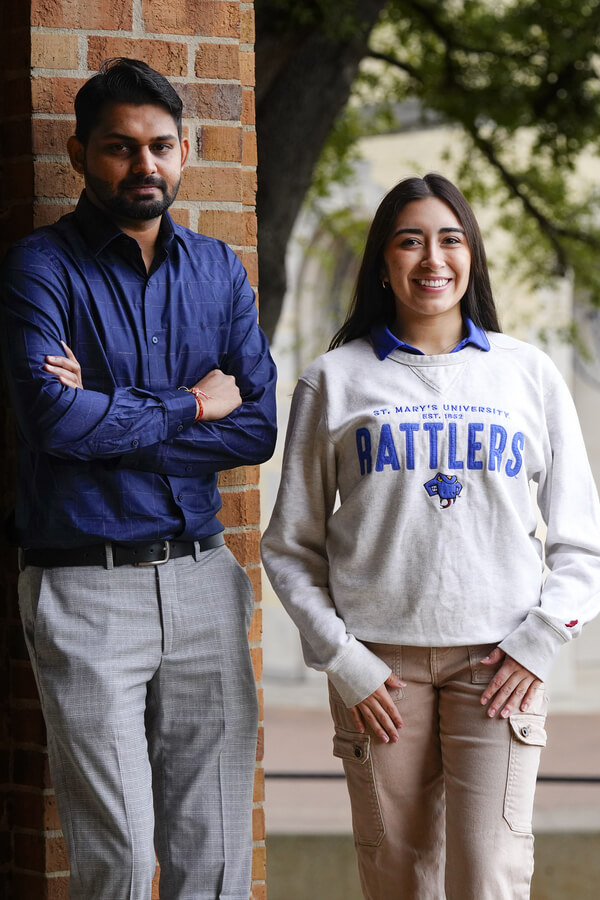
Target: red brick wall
column 49, row 48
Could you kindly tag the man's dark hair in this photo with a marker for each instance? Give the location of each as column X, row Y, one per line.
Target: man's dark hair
column 122, row 80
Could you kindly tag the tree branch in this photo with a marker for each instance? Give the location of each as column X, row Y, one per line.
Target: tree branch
column 552, row 232
column 394, row 61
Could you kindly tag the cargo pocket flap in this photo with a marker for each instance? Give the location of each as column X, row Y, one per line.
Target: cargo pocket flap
column 351, row 745
column 529, row 729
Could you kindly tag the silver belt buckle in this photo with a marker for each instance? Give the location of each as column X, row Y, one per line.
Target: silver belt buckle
column 159, row 562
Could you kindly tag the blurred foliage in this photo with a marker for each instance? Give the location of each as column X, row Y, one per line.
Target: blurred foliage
column 337, row 163
column 521, row 80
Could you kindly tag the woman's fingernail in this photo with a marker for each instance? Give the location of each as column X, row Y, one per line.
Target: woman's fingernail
column 505, row 713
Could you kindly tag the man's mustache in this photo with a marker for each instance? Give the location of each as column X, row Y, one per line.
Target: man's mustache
column 144, row 181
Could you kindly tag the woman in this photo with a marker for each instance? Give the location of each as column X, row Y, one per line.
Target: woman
column 421, row 594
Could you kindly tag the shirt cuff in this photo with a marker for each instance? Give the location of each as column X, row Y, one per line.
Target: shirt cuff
column 181, row 410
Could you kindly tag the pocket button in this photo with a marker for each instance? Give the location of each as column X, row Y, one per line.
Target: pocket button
column 358, row 752
column 525, row 731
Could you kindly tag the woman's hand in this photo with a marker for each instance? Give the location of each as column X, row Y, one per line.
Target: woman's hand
column 66, row 368
column 513, row 686
column 379, row 712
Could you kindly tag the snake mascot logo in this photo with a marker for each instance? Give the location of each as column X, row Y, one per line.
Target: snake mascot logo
column 446, row 487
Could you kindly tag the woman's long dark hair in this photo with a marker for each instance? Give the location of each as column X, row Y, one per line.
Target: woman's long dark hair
column 373, row 304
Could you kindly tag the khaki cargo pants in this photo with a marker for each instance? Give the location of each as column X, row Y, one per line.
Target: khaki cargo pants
column 446, row 811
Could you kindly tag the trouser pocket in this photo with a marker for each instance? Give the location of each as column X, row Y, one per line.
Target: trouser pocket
column 481, row 674
column 527, row 737
column 354, row 749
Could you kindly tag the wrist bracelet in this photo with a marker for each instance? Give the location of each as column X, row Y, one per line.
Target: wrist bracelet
column 197, row 394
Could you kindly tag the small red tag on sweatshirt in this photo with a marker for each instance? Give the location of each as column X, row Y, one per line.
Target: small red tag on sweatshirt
column 572, row 623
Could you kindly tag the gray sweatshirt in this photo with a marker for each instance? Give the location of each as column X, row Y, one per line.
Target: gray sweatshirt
column 405, row 513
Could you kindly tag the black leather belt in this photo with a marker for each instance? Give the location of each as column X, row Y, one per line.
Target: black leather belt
column 143, row 554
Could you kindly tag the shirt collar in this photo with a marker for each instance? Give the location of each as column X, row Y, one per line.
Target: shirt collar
column 384, row 341
column 99, row 230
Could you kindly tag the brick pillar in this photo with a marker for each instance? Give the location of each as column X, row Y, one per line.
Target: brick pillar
column 50, row 47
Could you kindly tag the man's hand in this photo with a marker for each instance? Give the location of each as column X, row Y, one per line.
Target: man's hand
column 513, row 687
column 379, row 712
column 221, row 395
column 66, row 368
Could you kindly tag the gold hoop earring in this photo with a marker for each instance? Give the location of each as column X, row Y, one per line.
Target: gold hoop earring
column 385, row 284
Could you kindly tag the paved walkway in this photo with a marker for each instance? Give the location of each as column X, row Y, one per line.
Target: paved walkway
column 298, row 739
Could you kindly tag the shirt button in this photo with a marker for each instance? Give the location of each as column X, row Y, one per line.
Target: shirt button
column 188, row 468
column 180, row 497
column 154, row 339
column 135, row 443
column 180, row 428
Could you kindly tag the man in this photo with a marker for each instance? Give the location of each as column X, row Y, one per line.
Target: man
column 135, row 613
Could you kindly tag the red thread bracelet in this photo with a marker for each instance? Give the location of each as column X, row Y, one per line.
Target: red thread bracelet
column 197, row 394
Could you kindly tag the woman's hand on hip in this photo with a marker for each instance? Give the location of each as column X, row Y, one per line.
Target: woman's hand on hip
column 379, row 712
column 512, row 688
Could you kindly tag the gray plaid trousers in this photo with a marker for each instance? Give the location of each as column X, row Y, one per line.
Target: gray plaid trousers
column 149, row 698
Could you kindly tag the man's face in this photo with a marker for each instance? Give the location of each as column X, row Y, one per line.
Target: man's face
column 132, row 161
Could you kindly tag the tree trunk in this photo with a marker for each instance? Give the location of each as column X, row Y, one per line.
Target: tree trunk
column 303, row 82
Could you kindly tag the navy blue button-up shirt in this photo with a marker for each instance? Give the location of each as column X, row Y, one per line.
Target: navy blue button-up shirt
column 124, row 459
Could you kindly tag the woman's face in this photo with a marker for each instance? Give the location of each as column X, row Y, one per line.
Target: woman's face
column 427, row 263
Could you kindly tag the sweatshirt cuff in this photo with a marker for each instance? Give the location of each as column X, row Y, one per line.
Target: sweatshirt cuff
column 357, row 674
column 535, row 644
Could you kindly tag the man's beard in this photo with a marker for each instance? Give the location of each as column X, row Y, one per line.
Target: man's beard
column 120, row 206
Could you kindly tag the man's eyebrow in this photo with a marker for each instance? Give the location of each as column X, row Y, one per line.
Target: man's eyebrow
column 450, row 229
column 116, row 135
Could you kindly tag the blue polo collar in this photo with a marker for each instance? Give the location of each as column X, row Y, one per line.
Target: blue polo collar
column 384, row 341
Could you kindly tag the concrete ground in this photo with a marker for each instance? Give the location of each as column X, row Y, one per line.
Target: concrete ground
column 309, row 844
